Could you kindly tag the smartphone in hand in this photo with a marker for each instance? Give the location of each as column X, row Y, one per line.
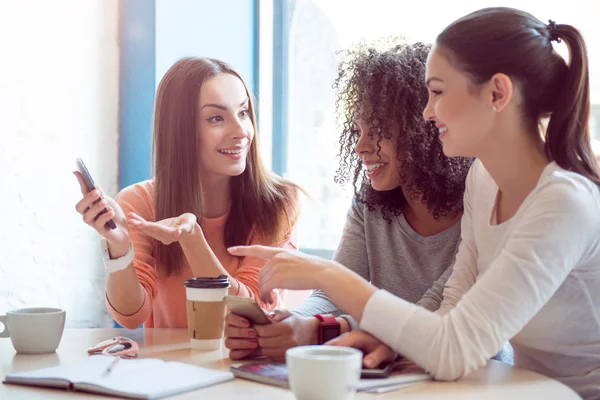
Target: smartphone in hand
column 385, row 370
column 247, row 308
column 89, row 183
column 382, row 372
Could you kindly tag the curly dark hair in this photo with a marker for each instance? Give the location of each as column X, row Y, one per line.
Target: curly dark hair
column 391, row 83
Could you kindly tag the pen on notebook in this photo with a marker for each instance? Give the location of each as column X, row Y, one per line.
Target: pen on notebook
column 112, row 364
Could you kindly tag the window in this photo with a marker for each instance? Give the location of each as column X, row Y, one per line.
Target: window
column 595, row 124
column 307, row 35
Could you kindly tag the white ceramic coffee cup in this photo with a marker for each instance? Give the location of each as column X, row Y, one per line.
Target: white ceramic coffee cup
column 34, row 330
column 323, row 372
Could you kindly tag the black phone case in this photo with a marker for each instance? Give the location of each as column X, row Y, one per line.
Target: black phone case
column 382, row 372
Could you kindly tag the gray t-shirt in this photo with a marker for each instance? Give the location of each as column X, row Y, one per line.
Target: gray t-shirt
column 392, row 256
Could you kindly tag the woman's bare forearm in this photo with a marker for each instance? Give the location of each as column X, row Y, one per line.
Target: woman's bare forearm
column 124, row 291
column 336, row 282
column 202, row 260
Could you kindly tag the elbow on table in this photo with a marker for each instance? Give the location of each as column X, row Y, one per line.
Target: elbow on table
column 453, row 370
column 129, row 324
column 449, row 376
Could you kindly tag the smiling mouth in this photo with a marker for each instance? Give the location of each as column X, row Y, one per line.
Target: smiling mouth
column 373, row 167
column 236, row 151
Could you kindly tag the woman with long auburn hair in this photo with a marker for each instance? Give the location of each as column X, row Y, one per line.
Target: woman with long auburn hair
column 210, row 191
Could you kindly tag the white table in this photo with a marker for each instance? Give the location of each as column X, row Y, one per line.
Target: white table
column 495, row 381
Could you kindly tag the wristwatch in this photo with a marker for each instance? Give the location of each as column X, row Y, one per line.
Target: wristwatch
column 328, row 328
column 117, row 264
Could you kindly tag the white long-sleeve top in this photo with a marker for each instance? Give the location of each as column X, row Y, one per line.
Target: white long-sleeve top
column 533, row 280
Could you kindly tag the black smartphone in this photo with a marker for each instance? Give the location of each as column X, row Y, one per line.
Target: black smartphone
column 89, row 183
column 382, row 372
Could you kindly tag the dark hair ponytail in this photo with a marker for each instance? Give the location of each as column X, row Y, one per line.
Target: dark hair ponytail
column 519, row 45
column 568, row 133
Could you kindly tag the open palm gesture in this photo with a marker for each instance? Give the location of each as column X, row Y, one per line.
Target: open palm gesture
column 166, row 231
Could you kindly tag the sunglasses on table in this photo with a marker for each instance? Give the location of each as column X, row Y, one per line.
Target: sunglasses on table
column 119, row 346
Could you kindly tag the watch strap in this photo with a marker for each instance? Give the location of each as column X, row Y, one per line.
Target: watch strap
column 328, row 329
column 117, row 264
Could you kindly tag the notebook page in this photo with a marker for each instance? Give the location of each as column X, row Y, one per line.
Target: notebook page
column 135, row 378
column 394, row 379
column 391, row 388
column 69, row 372
column 147, row 380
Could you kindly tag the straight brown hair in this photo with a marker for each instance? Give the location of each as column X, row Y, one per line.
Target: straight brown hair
column 262, row 204
column 513, row 42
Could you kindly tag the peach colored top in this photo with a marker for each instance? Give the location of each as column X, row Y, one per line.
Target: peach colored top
column 164, row 298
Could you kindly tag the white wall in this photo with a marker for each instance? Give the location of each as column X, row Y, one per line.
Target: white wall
column 58, row 100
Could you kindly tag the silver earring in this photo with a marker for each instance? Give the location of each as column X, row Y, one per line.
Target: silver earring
column 494, row 108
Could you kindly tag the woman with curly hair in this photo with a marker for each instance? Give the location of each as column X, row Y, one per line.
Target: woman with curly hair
column 402, row 230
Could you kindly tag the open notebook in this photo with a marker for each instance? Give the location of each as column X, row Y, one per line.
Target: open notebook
column 134, row 378
column 276, row 374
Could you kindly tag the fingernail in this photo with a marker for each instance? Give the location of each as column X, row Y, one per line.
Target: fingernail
column 368, row 363
column 251, row 333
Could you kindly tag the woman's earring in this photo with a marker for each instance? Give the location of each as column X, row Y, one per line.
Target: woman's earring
column 494, row 108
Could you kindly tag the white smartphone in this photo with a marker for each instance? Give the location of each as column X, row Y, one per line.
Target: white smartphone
column 247, row 308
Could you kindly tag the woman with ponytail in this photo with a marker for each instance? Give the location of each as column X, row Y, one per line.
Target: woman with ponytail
column 528, row 266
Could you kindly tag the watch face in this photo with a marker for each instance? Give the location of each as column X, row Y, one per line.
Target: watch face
column 330, row 332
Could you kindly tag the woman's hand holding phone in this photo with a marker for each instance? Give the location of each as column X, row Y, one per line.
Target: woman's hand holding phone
column 246, row 338
column 375, row 352
column 92, row 206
